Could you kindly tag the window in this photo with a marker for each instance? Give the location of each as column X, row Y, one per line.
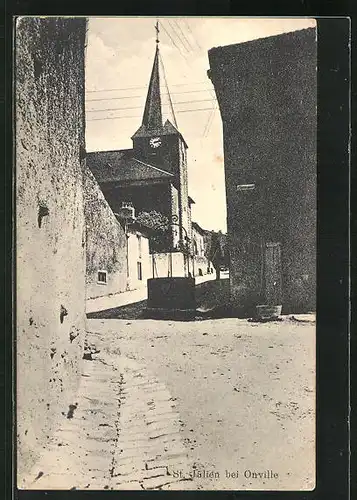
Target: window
column 139, row 244
column 140, row 272
column 245, row 187
column 102, row 277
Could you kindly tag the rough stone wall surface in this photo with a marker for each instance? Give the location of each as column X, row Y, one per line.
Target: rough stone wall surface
column 106, row 243
column 267, row 95
column 50, row 233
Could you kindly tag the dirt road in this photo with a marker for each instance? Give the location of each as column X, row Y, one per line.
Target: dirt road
column 245, row 393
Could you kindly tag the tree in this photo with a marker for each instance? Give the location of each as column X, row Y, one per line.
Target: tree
column 159, row 225
column 217, row 251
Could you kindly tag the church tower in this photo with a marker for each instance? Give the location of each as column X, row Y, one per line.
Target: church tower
column 161, row 144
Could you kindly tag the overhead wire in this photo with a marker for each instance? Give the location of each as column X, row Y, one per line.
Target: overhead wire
column 191, row 33
column 139, row 116
column 183, row 42
column 144, row 87
column 210, row 120
column 211, row 117
column 172, row 40
column 167, row 88
column 143, row 95
column 140, row 107
column 214, row 107
column 183, row 34
column 177, row 35
column 175, row 28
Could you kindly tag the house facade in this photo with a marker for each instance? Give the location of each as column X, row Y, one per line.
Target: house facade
column 201, row 263
column 266, row 90
column 117, row 253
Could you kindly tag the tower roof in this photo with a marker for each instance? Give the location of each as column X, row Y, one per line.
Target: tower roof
column 155, row 121
column 152, row 118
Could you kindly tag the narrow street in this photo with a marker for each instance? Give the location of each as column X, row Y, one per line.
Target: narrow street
column 140, row 241
column 207, row 404
column 244, row 393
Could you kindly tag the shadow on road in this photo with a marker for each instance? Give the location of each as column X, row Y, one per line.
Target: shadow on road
column 212, row 301
column 129, row 311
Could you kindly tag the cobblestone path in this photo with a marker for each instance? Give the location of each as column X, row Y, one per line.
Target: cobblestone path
column 121, row 433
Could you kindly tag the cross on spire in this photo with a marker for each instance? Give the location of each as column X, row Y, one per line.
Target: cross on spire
column 153, row 114
column 157, row 31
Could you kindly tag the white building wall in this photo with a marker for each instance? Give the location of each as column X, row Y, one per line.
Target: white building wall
column 138, row 260
column 161, row 263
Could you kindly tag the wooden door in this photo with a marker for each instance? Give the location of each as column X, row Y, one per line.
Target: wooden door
column 272, row 274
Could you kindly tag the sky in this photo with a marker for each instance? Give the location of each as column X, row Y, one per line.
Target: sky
column 119, row 57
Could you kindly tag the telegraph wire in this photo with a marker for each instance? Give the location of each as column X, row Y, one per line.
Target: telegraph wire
column 176, row 31
column 143, row 95
column 210, row 119
column 167, row 88
column 177, row 35
column 114, row 90
column 144, row 87
column 115, row 98
column 168, row 34
column 193, row 36
column 140, row 107
column 139, row 116
column 183, row 34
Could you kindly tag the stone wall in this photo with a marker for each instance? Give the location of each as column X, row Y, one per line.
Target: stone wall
column 106, row 243
column 50, row 233
column 267, row 96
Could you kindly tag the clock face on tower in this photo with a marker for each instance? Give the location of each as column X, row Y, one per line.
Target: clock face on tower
column 155, row 142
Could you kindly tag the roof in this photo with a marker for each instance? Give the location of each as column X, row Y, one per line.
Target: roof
column 198, row 228
column 152, row 118
column 122, row 166
column 152, row 122
column 269, row 39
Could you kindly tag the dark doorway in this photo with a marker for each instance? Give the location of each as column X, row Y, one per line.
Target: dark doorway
column 272, row 274
column 140, row 271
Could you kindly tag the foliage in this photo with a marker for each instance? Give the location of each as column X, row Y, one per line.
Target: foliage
column 153, row 220
column 217, row 249
column 159, row 225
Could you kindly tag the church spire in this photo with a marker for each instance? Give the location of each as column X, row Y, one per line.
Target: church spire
column 152, row 118
column 152, row 121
